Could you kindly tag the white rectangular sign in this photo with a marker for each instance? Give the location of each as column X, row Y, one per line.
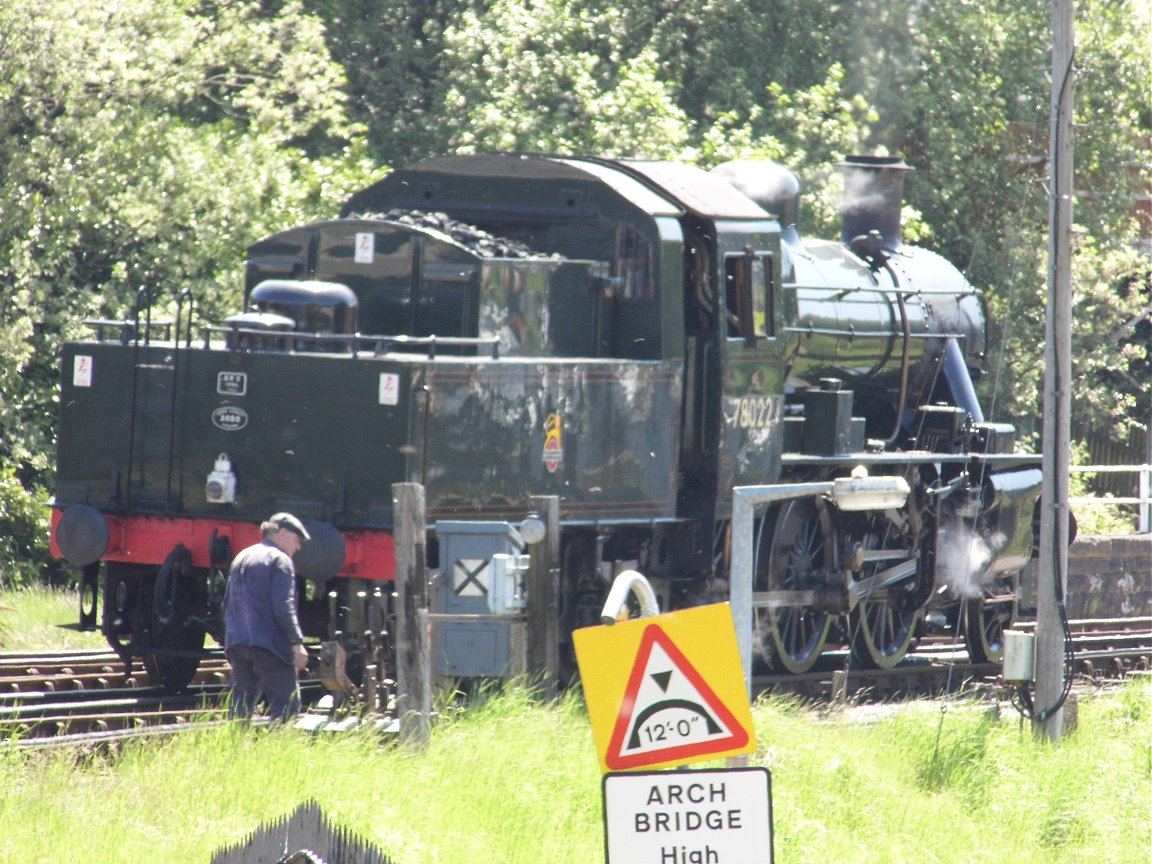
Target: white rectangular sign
column 389, row 388
column 365, row 247
column 718, row 816
column 81, row 371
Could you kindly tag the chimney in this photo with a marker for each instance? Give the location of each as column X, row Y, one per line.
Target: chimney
column 873, row 194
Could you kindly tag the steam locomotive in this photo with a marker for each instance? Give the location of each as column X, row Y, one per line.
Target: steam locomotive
column 636, row 338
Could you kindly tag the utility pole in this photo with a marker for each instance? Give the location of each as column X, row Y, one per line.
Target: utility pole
column 1048, row 719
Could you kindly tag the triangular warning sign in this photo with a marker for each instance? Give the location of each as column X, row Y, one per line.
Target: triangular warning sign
column 668, row 711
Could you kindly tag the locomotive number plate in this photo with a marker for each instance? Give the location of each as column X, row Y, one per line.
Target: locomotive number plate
column 756, row 412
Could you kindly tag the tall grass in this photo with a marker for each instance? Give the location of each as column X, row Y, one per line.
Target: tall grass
column 512, row 781
column 946, row 782
column 509, row 782
column 38, row 617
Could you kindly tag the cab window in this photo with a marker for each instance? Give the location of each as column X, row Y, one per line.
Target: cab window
column 749, row 290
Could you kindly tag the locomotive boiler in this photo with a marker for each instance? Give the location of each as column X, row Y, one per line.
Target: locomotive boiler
column 636, row 338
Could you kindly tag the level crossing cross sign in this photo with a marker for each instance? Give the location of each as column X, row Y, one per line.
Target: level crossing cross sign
column 665, row 690
column 470, row 577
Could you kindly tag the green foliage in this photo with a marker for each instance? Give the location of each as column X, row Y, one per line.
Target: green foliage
column 555, row 76
column 24, row 524
column 873, row 783
column 956, row 759
column 147, row 144
column 393, row 52
column 517, row 781
column 975, row 119
column 1112, row 337
column 646, row 81
column 35, row 617
column 1132, row 711
column 1061, row 824
column 1096, row 517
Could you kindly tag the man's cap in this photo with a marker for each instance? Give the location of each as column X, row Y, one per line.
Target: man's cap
column 291, row 523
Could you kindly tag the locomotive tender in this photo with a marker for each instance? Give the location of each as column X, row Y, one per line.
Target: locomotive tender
column 634, row 337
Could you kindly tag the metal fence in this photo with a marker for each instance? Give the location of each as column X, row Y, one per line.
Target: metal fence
column 1142, row 499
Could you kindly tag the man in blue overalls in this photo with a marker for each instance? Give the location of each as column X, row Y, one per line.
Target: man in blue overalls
column 263, row 641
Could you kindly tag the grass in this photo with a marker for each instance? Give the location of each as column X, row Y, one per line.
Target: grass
column 37, row 617
column 512, row 781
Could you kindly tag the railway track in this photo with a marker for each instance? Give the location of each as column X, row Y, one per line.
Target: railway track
column 62, row 694
column 63, row 697
column 1104, row 649
column 76, row 670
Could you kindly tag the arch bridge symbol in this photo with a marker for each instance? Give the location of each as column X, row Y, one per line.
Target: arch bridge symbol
column 668, row 710
column 664, row 689
column 713, row 728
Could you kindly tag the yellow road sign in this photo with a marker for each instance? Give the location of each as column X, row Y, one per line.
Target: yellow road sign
column 665, row 690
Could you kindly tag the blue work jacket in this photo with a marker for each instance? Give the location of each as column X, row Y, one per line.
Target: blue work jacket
column 260, row 601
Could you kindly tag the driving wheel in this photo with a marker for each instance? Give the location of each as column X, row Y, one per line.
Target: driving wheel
column 884, row 623
column 793, row 552
column 987, row 617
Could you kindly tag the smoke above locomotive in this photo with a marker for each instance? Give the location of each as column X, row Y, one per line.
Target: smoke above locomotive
column 633, row 337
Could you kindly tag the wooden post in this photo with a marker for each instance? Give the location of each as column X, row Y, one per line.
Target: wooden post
column 1052, row 572
column 413, row 678
column 543, row 593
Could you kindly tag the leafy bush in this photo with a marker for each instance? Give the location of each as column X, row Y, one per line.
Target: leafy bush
column 24, row 533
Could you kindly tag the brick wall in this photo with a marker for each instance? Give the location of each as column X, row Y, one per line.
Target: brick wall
column 1109, row 576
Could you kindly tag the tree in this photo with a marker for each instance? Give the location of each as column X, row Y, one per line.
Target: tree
column 146, row 143
column 982, row 153
column 393, row 52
